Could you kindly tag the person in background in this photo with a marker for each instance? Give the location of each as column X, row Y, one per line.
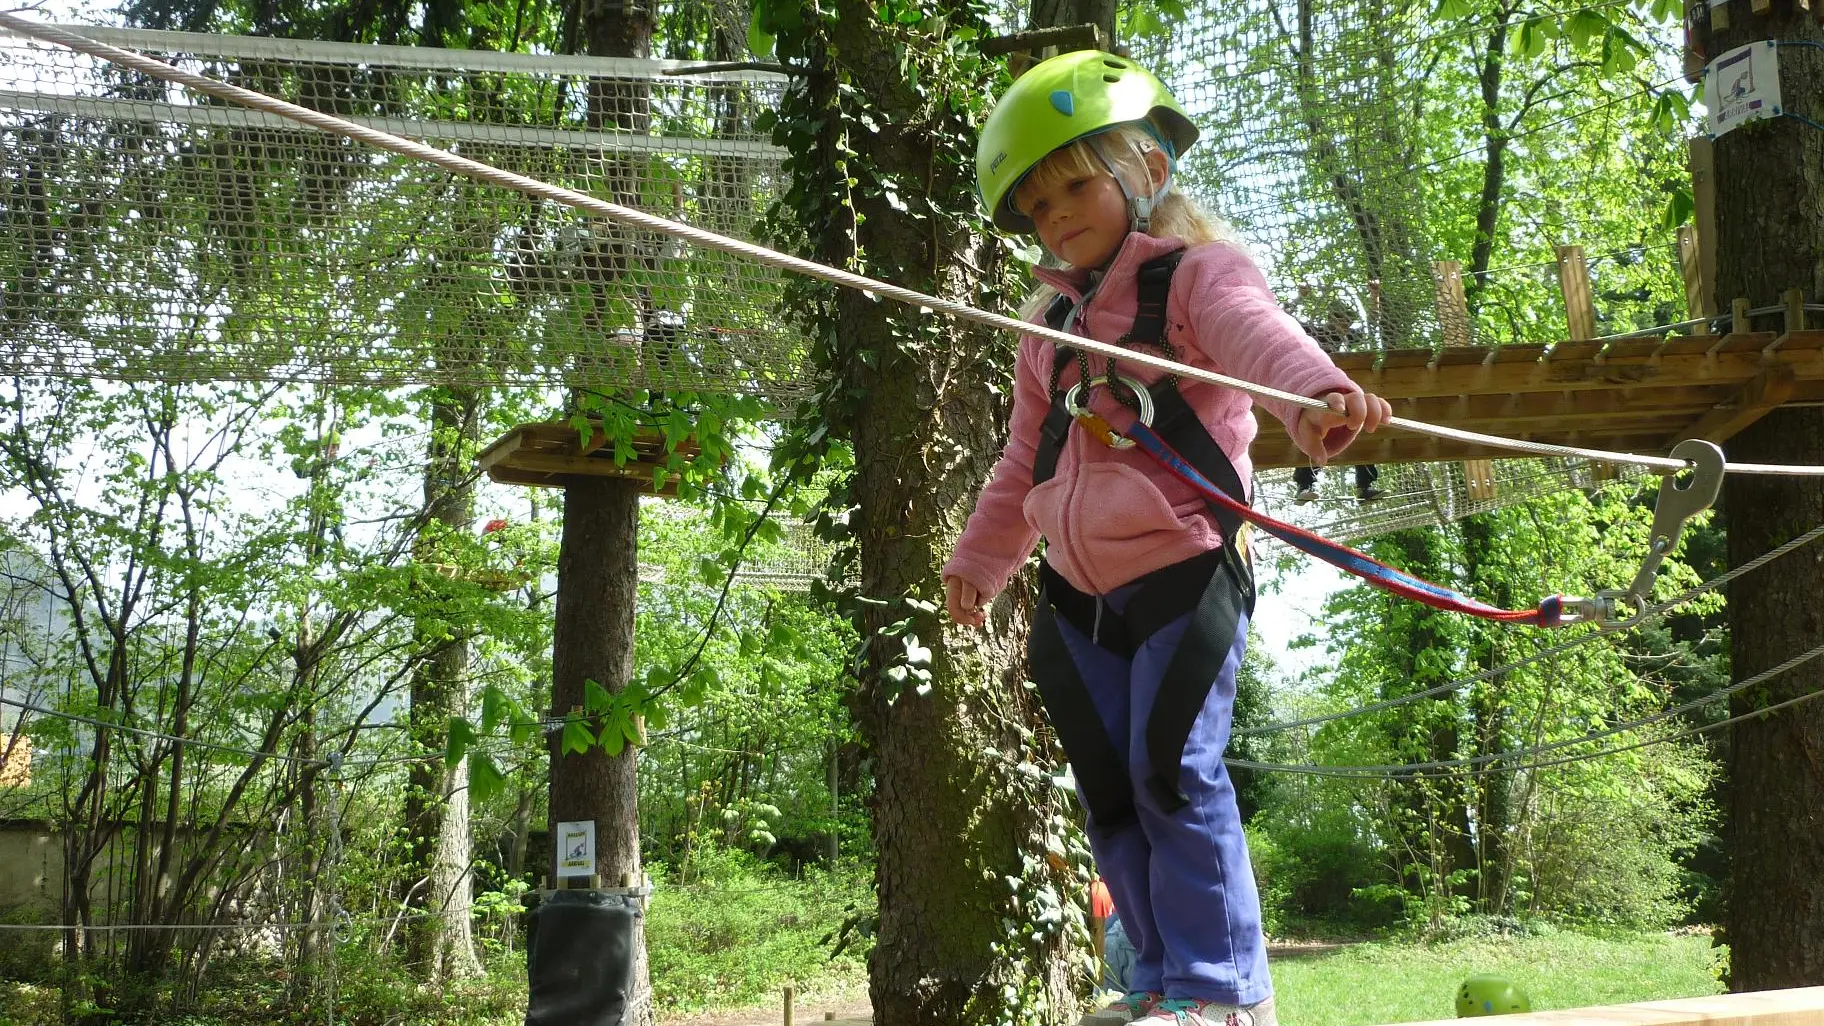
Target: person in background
column 1337, row 334
column 1117, row 951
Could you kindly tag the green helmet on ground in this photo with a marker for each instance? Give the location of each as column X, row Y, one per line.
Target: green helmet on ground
column 1487, row 994
column 1059, row 101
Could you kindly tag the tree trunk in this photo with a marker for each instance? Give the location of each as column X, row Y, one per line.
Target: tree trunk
column 437, row 797
column 1064, row 13
column 953, row 824
column 1492, row 792
column 597, row 588
column 598, row 572
column 1770, row 238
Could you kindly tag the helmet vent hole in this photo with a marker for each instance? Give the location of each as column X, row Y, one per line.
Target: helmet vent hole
column 1111, row 78
column 1115, row 63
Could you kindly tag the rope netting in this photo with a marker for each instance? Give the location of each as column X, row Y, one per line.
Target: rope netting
column 1419, row 494
column 149, row 232
column 1344, row 138
column 1348, row 142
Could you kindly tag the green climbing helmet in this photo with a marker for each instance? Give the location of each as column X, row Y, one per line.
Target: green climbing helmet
column 1059, row 101
column 1490, row 995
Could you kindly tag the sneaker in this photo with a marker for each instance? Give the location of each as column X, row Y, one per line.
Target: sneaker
column 1368, row 494
column 1129, row 1007
column 1305, row 495
column 1211, row 1013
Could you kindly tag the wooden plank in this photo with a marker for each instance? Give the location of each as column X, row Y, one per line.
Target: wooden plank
column 505, row 446
column 1479, row 476
column 1465, row 410
column 1768, row 391
column 1574, row 284
column 1800, row 1007
column 1453, row 308
column 1761, row 6
column 1697, row 289
column 1585, row 375
column 1703, row 196
column 545, row 479
column 1573, row 351
column 1719, row 17
column 1739, row 321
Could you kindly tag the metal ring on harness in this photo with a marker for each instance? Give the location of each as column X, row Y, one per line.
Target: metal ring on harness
column 1108, row 380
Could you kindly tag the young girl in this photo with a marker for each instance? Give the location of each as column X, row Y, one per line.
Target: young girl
column 1147, row 591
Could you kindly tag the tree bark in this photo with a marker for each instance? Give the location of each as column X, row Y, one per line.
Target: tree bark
column 437, row 797
column 597, row 589
column 951, row 821
column 598, row 571
column 1770, row 238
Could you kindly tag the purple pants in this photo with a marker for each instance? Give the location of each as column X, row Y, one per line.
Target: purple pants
column 1181, row 881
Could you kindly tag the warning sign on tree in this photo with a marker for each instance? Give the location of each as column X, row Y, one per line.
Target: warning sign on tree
column 1743, row 85
column 576, row 849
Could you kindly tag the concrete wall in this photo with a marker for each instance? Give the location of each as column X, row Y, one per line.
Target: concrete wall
column 31, row 871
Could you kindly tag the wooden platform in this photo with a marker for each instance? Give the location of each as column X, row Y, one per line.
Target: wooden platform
column 1804, row 1007
column 1639, row 395
column 551, row 454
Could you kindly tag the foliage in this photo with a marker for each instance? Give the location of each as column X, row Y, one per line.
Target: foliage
column 737, row 932
column 1597, row 841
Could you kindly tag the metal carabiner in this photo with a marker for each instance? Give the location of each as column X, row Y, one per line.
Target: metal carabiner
column 1081, row 412
column 1677, row 504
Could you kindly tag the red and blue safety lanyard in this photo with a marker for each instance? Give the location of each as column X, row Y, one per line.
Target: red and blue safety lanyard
column 1677, row 504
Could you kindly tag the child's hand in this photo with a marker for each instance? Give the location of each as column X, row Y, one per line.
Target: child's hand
column 963, row 602
column 1357, row 411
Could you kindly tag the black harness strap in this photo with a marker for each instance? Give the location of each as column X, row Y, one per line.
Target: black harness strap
column 1185, row 688
column 1100, row 769
column 1216, row 588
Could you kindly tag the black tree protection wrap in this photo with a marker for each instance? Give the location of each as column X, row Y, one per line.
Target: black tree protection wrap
column 579, row 958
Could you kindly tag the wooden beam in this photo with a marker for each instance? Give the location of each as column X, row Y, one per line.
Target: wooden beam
column 1453, row 308
column 1801, row 1007
column 1574, row 283
column 1761, row 6
column 1703, row 209
column 1691, row 268
column 1766, row 392
column 1736, row 359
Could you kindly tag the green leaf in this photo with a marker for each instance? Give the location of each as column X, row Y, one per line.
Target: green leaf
column 1678, row 209
column 577, row 738
column 1452, row 10
column 1585, row 26
column 485, row 778
column 496, row 708
column 916, row 653
column 596, row 699
column 614, row 735
column 461, row 738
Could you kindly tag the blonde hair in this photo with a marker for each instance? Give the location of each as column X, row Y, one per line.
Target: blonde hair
column 1176, row 216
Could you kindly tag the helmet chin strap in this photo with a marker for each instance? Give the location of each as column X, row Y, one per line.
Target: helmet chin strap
column 1139, row 208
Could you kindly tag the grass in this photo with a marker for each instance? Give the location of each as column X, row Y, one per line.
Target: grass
column 736, row 939
column 1391, row 982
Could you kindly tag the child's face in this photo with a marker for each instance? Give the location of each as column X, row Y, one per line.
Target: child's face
column 1081, row 218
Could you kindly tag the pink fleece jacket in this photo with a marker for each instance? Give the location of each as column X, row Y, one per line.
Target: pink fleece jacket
column 1109, row 516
